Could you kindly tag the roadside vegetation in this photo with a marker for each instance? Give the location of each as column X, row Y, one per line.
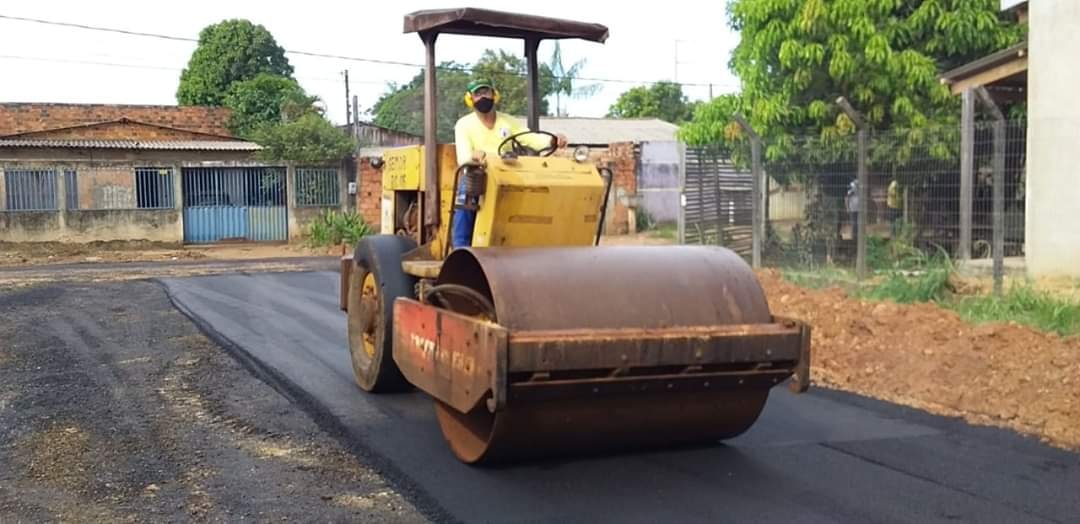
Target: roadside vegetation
column 904, row 274
column 333, row 228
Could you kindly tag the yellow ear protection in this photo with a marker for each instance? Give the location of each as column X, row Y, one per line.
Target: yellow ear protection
column 469, row 101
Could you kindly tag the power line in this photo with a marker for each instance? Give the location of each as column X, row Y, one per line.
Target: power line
column 159, row 68
column 325, row 55
column 88, row 62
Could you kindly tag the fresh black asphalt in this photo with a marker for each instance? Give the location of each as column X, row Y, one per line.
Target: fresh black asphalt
column 819, row 457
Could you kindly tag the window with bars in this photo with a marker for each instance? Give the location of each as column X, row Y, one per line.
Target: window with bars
column 154, row 187
column 317, row 187
column 71, row 189
column 30, row 189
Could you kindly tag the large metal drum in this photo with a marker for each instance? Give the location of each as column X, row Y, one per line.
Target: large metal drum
column 611, row 287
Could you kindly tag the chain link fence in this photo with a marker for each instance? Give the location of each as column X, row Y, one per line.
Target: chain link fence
column 920, row 199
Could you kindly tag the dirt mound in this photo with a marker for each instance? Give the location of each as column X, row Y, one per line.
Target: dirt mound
column 927, row 357
column 37, row 253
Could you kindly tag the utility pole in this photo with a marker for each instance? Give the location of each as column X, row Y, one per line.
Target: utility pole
column 348, row 99
column 676, row 78
column 355, row 110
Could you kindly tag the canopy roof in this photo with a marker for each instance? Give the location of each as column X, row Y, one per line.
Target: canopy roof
column 486, row 22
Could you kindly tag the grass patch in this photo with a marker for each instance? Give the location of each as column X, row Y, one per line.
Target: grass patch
column 821, row 278
column 666, row 231
column 1023, row 305
column 927, row 285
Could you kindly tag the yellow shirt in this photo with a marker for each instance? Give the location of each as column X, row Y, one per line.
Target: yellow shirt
column 470, row 134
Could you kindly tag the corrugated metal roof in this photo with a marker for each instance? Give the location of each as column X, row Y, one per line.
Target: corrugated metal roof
column 987, row 62
column 160, row 145
column 603, row 131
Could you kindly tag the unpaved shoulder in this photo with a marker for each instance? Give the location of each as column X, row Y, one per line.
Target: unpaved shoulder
column 113, row 407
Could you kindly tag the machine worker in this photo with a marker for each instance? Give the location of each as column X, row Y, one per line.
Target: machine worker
column 477, row 135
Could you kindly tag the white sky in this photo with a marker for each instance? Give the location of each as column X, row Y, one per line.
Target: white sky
column 641, row 47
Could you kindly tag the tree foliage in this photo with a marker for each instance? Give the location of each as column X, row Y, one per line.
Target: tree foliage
column 565, row 80
column 239, row 65
column 307, row 139
column 663, row 100
column 262, row 101
column 796, row 57
column 401, row 108
column 228, row 52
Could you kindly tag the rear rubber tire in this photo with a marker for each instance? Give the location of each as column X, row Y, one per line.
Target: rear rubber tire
column 380, row 257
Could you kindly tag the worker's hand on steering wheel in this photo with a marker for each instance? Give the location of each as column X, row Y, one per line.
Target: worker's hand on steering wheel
column 560, row 140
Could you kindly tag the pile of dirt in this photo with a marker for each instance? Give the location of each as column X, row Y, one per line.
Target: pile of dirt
column 38, row 253
column 927, row 357
column 15, row 254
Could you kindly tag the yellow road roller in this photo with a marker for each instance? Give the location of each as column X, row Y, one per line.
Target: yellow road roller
column 532, row 339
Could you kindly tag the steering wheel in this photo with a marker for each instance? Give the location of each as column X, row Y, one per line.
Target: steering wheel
column 521, row 149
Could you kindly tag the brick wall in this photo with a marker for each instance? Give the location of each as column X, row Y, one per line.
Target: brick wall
column 123, row 131
column 19, row 118
column 369, row 192
column 623, row 157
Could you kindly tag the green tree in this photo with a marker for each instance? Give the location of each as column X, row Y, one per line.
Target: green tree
column 795, row 57
column 261, row 101
column 307, row 139
column 663, row 100
column 564, row 78
column 507, row 72
column 227, row 52
column 402, row 107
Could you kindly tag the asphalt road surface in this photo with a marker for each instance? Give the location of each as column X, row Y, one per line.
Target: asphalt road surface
column 818, row 457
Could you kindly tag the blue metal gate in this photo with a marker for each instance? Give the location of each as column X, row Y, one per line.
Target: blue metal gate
column 234, row 203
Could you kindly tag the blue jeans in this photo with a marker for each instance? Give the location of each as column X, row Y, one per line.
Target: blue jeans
column 461, row 229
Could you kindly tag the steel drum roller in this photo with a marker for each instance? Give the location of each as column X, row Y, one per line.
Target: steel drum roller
column 604, row 288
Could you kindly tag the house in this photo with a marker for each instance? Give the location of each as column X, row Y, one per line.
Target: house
column 1040, row 72
column 645, row 155
column 87, row 172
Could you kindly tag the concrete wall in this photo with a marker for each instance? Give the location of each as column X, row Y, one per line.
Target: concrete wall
column 106, row 194
column 300, row 218
column 110, row 187
column 153, row 225
column 658, row 180
column 1053, row 180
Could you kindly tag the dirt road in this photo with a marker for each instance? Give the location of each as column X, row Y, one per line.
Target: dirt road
column 115, row 408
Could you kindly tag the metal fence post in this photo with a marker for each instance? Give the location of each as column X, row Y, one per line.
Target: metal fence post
column 759, row 193
column 863, row 192
column 998, row 187
column 967, row 169
column 681, row 222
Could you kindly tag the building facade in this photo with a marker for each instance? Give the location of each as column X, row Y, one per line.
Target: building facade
column 81, row 173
